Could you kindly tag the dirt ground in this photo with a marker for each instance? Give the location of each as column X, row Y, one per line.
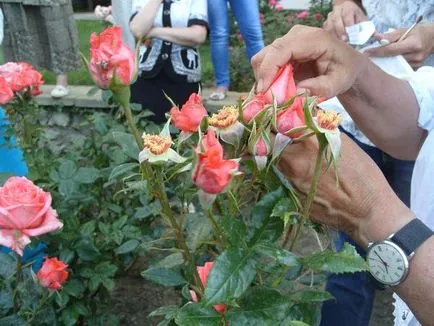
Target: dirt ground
column 134, row 298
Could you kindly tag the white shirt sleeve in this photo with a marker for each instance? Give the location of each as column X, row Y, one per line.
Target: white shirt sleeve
column 198, row 13
column 422, row 82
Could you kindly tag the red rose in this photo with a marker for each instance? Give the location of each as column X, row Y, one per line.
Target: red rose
column 111, row 60
column 291, row 118
column 190, row 116
column 283, row 86
column 318, row 16
column 212, row 173
column 53, row 273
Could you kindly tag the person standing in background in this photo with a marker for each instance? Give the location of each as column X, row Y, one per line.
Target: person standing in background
column 355, row 293
column 246, row 13
column 42, row 33
column 169, row 61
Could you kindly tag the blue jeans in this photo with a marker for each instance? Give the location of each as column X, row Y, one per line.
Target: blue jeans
column 354, row 293
column 246, row 13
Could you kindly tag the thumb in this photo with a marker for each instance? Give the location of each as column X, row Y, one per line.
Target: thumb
column 391, row 37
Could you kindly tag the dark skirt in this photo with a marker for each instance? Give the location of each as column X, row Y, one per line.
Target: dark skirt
column 149, row 93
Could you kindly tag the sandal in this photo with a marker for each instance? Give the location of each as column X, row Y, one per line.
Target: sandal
column 217, row 96
column 59, row 91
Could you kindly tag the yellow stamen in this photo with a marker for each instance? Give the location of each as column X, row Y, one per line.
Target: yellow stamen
column 225, row 117
column 329, row 120
column 156, row 144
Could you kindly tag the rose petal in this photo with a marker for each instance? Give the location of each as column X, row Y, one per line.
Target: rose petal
column 50, row 223
column 14, row 240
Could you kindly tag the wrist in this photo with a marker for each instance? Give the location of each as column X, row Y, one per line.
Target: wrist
column 386, row 217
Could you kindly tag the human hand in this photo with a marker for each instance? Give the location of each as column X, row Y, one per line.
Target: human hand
column 363, row 205
column 322, row 64
column 415, row 47
column 346, row 14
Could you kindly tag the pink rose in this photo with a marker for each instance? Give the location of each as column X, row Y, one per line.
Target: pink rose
column 291, row 118
column 53, row 273
column 279, row 8
column 190, row 116
column 25, row 211
column 283, row 86
column 112, row 62
column 318, row 16
column 273, row 2
column 303, row 14
column 6, row 94
column 261, row 148
column 252, row 108
column 203, row 272
column 21, row 77
column 212, row 173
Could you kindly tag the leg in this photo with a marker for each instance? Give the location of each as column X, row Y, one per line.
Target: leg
column 61, row 89
column 219, row 38
column 247, row 15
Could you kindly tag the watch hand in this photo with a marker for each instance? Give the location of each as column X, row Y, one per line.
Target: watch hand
column 385, row 264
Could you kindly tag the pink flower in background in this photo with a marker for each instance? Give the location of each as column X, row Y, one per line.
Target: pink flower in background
column 279, row 8
column 318, row 16
column 262, row 18
column 273, row 3
column 21, row 77
column 6, row 94
column 303, row 14
column 203, row 272
column 111, row 60
column 190, row 116
column 240, row 37
column 25, row 211
column 53, row 273
column 283, row 86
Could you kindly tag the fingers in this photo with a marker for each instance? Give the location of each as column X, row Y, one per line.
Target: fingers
column 302, row 44
column 390, row 50
column 325, row 86
column 339, row 27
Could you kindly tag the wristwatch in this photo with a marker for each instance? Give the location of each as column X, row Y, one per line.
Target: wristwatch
column 388, row 260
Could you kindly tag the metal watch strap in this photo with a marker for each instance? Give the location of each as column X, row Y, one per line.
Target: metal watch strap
column 411, row 236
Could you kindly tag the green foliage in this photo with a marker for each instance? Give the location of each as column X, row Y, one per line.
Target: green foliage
column 345, row 261
column 197, row 315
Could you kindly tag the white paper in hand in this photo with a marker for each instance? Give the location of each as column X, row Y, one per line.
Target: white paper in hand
column 359, row 34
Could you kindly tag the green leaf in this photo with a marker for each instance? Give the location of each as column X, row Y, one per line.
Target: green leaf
column 118, row 224
column 7, row 265
column 70, row 316
column 86, row 175
column 345, row 261
column 6, row 297
column 234, row 229
column 170, row 261
column 94, row 283
column 81, row 308
column 86, row 250
column 104, row 228
column 127, row 143
column 106, row 269
column 231, row 275
column 198, row 228
column 67, row 188
column 127, row 247
column 164, row 276
column 297, row 323
column 87, row 229
column 260, row 306
column 66, row 255
column 267, row 227
column 74, row 287
column 121, row 170
column 13, row 320
column 308, row 295
column 168, row 311
column 143, row 212
column 281, row 255
column 196, row 315
column 67, row 169
column 108, row 283
column 62, row 298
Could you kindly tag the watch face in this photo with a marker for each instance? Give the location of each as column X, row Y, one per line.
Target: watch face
column 387, row 262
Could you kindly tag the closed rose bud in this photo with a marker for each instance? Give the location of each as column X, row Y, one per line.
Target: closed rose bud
column 112, row 63
column 52, row 274
column 291, row 118
column 190, row 116
column 283, row 86
column 252, row 108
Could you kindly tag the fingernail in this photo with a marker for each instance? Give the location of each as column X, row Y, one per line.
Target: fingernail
column 259, row 85
column 303, row 91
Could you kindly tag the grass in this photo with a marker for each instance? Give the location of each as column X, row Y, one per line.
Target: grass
column 82, row 77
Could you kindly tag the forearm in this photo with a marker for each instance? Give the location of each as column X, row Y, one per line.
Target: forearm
column 188, row 36
column 141, row 24
column 386, row 111
column 418, row 289
column 339, row 2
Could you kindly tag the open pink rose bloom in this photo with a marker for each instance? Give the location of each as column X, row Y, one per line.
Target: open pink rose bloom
column 25, row 211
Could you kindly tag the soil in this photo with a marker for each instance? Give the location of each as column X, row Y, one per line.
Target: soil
column 134, row 298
